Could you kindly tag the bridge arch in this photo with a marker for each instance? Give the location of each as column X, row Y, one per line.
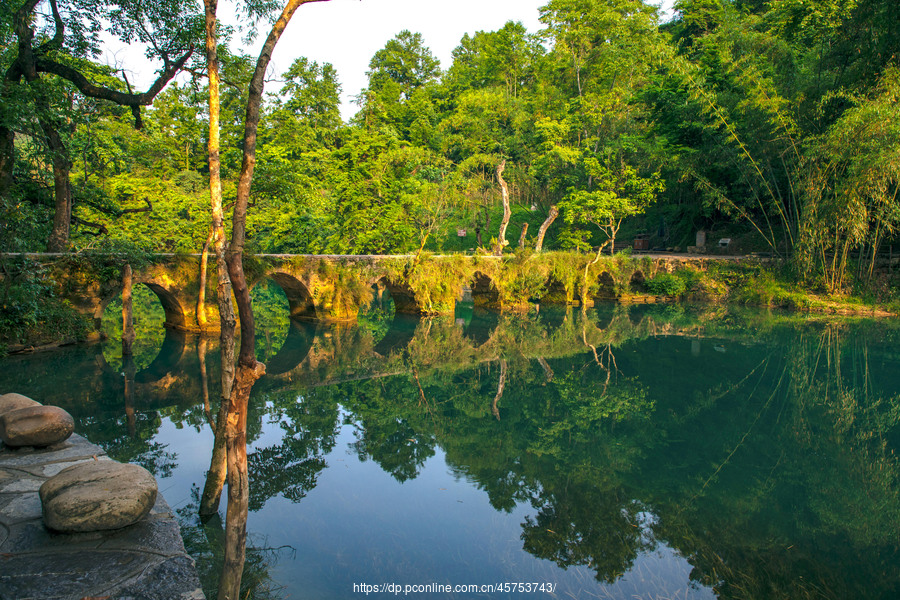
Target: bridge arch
column 301, row 303
column 484, row 291
column 606, row 286
column 636, row 284
column 175, row 315
column 404, row 298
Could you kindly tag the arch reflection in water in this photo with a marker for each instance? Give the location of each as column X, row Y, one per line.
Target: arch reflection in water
column 294, row 350
column 149, row 316
column 478, row 324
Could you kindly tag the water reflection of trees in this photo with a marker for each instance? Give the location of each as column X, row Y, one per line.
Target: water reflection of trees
column 290, row 468
column 766, row 452
column 772, row 470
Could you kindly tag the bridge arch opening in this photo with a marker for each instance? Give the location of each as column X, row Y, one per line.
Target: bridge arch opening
column 556, row 292
column 153, row 309
column 637, row 283
column 391, row 317
column 605, row 287
column 484, row 291
column 300, row 302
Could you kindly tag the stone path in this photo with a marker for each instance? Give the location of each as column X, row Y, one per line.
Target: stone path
column 145, row 561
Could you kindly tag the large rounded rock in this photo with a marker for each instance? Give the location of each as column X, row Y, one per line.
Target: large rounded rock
column 96, row 496
column 10, row 402
column 36, row 426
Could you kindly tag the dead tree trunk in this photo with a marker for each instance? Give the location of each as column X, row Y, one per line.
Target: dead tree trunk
column 507, row 213
column 128, row 334
column 522, row 235
column 554, row 212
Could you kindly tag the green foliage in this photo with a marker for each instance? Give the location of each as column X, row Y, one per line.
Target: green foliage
column 103, row 261
column 772, row 117
column 32, row 312
column 665, row 284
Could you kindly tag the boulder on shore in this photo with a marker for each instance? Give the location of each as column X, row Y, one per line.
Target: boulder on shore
column 10, row 402
column 35, row 426
column 97, row 496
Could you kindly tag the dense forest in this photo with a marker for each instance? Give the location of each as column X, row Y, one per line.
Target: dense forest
column 773, row 122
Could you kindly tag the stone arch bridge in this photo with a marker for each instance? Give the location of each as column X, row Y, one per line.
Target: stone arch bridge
column 333, row 288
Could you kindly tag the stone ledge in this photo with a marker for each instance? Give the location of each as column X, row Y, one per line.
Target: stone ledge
column 145, row 561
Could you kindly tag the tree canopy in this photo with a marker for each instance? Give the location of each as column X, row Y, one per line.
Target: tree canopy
column 767, row 121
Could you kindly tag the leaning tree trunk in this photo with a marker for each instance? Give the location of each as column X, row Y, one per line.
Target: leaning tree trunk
column 523, row 234
column 248, row 368
column 507, row 213
column 554, row 212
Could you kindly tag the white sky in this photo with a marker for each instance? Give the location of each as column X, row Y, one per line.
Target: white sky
column 347, row 33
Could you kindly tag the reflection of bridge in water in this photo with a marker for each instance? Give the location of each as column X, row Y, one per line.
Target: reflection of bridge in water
column 317, row 354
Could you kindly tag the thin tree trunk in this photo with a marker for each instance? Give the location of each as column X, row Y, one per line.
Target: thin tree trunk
column 204, row 263
column 507, row 213
column 248, row 369
column 522, row 235
column 128, row 334
column 204, row 381
column 554, row 212
column 215, row 477
column 584, row 290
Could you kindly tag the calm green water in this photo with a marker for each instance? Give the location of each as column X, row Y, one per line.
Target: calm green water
column 632, row 453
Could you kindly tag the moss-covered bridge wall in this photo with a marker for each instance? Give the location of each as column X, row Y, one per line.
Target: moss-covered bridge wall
column 333, row 288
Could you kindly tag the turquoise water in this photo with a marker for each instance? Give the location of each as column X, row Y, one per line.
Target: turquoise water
column 642, row 452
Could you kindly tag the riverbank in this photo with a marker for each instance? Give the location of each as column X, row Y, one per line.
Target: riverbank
column 55, row 309
column 145, row 560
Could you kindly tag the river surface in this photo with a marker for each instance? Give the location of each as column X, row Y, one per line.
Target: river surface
column 628, row 452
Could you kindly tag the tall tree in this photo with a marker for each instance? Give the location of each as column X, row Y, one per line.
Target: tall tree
column 59, row 46
column 248, row 368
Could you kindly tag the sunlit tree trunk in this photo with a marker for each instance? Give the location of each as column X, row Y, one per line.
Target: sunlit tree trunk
column 215, row 478
column 248, row 368
column 204, row 269
column 554, row 212
column 507, row 213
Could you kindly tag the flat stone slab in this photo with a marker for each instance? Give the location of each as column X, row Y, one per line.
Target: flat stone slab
column 144, row 561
